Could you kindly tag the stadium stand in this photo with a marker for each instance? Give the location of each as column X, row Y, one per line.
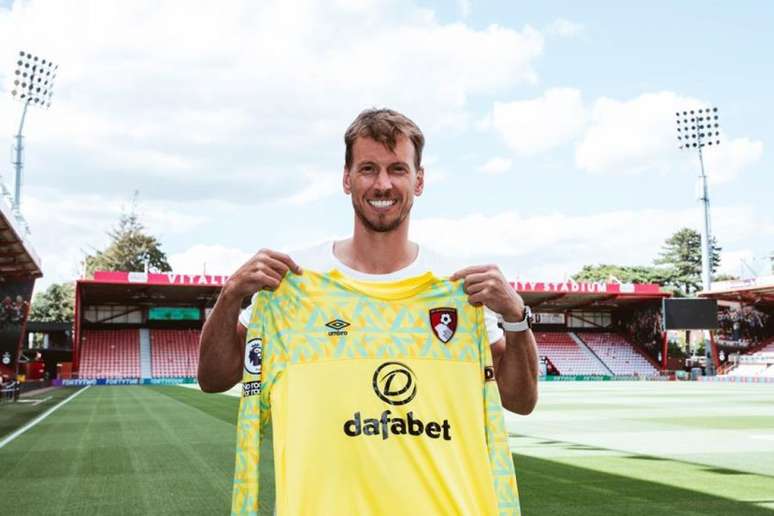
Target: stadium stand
column 110, row 354
column 748, row 370
column 767, row 346
column 174, row 352
column 618, row 354
column 566, row 355
column 759, row 362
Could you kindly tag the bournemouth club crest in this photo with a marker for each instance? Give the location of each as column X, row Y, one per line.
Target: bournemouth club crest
column 443, row 321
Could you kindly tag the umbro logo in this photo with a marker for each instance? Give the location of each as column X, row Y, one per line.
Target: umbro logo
column 337, row 327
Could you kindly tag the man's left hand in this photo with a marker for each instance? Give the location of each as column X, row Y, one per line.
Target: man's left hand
column 486, row 285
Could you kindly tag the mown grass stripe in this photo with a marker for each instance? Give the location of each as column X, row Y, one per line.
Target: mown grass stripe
column 40, row 418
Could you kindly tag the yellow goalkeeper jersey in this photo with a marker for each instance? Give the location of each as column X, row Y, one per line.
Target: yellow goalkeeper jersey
column 381, row 397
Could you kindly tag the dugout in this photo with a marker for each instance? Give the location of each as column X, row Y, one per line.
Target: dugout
column 20, row 266
column 136, row 300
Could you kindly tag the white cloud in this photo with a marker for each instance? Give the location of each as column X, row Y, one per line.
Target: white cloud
column 496, row 166
column 564, row 28
column 630, row 136
column 726, row 162
column 187, row 94
column 556, row 245
column 435, row 172
column 733, row 262
column 65, row 229
column 633, row 136
column 214, row 259
column 318, row 186
column 537, row 125
column 464, row 8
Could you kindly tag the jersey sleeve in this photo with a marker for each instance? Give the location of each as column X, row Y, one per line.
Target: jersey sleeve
column 252, row 416
column 500, row 459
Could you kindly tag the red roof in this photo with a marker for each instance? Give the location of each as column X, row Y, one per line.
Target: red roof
column 754, row 291
column 17, row 258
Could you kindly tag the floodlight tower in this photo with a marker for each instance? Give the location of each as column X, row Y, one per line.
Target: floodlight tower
column 697, row 128
column 33, row 84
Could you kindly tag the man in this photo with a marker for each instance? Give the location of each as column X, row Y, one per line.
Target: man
column 382, row 174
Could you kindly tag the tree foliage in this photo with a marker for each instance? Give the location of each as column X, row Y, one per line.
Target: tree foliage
column 55, row 304
column 681, row 253
column 678, row 267
column 623, row 273
column 129, row 249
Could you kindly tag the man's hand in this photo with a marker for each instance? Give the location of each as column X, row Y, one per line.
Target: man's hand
column 486, row 285
column 264, row 271
column 514, row 356
column 222, row 341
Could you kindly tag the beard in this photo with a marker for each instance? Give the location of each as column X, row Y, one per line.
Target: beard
column 379, row 223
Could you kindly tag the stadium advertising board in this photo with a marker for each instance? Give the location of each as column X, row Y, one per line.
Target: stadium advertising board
column 14, row 304
column 690, row 314
column 172, row 313
column 604, row 378
column 70, row 382
column 736, row 379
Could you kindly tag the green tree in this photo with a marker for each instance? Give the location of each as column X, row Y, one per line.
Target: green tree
column 623, row 273
column 129, row 249
column 55, row 304
column 681, row 253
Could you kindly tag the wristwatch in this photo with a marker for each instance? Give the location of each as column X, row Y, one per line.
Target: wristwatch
column 523, row 325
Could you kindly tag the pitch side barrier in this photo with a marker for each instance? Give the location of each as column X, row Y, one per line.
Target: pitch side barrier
column 124, row 381
column 605, row 378
column 737, row 379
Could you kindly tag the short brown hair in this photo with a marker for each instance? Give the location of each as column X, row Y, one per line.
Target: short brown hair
column 384, row 126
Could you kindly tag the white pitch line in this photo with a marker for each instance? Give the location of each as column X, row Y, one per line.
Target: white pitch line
column 40, row 418
column 34, row 402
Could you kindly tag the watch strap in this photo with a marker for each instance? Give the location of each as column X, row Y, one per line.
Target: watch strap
column 516, row 326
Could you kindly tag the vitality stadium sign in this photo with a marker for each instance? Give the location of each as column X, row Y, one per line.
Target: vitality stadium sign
column 599, row 287
column 167, row 278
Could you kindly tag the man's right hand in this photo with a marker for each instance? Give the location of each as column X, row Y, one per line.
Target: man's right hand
column 221, row 344
column 264, row 271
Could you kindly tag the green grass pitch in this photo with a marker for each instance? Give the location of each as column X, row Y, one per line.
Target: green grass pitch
column 628, row 448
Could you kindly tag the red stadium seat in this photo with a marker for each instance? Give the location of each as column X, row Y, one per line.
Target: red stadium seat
column 110, row 354
column 618, row 354
column 566, row 355
column 174, row 353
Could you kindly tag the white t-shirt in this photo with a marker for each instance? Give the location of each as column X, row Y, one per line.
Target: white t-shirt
column 321, row 258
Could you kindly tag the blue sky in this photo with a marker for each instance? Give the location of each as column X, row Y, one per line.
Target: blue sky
column 550, row 125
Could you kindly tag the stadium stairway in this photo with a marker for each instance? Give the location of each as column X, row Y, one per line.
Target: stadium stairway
column 590, row 353
column 145, row 353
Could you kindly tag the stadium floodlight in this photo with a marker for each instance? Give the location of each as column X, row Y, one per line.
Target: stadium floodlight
column 696, row 129
column 33, row 84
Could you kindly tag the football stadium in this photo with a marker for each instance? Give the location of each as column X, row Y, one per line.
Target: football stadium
column 121, row 427
column 655, row 382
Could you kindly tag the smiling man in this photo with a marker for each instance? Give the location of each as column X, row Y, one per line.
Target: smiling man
column 376, row 267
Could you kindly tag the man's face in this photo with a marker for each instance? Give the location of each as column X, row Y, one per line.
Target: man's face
column 383, row 183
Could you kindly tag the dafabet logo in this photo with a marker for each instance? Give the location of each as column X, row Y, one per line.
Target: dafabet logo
column 395, row 384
